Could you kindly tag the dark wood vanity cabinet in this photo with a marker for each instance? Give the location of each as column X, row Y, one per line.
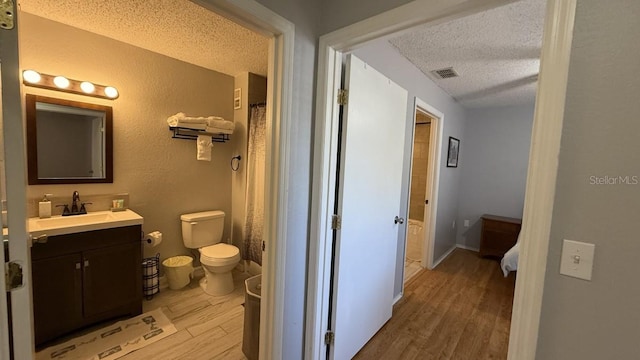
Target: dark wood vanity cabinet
column 84, row 278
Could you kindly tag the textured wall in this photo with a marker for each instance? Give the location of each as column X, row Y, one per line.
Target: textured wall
column 254, row 90
column 239, row 178
column 340, row 13
column 161, row 174
column 383, row 57
column 598, row 319
column 497, row 142
column 304, row 14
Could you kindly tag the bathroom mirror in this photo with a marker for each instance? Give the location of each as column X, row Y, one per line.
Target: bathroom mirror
column 68, row 142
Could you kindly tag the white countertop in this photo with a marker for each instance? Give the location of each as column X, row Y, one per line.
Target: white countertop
column 97, row 220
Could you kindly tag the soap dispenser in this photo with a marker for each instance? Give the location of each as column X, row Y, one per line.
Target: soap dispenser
column 44, row 210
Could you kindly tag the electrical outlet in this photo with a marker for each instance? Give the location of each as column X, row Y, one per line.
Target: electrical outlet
column 577, row 259
column 466, row 223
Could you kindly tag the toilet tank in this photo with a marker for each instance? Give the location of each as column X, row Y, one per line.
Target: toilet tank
column 202, row 228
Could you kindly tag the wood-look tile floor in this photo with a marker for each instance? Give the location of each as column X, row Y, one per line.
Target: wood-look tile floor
column 411, row 269
column 209, row 327
column 460, row 310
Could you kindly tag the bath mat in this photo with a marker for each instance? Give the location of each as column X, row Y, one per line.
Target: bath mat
column 113, row 341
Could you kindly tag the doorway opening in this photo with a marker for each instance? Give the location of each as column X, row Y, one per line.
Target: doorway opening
column 558, row 28
column 279, row 70
column 423, row 189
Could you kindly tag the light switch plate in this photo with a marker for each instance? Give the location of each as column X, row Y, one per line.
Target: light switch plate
column 577, row 259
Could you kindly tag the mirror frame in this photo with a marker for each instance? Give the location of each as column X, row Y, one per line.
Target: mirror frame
column 32, row 141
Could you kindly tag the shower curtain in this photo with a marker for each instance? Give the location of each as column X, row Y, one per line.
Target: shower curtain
column 255, row 185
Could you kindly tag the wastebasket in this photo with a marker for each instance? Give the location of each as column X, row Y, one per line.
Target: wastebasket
column 151, row 276
column 251, row 332
column 179, row 270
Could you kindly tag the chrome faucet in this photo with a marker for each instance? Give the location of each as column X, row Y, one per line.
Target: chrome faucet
column 74, row 203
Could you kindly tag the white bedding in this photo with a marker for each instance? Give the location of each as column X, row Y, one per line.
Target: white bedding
column 510, row 260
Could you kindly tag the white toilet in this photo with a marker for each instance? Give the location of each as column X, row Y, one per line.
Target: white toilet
column 203, row 231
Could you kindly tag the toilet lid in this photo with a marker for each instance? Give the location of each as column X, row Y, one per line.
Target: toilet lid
column 220, row 251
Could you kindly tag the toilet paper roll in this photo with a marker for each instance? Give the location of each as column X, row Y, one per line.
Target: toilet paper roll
column 153, row 239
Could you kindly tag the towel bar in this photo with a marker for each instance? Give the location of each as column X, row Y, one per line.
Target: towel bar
column 192, row 134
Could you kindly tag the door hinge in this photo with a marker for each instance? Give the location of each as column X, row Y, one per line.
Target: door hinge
column 13, row 275
column 329, row 337
column 336, row 222
column 263, row 246
column 7, row 11
column 343, row 97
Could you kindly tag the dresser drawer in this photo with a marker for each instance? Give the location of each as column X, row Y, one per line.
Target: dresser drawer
column 499, row 226
column 498, row 235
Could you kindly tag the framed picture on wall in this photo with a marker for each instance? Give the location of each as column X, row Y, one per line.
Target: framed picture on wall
column 454, row 150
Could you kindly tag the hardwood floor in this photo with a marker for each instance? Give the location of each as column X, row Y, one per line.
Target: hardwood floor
column 460, row 310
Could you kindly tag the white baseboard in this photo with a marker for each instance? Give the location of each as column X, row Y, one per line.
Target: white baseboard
column 467, row 247
column 164, row 284
column 444, row 256
column 397, row 298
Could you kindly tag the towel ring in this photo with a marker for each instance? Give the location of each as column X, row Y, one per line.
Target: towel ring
column 235, row 165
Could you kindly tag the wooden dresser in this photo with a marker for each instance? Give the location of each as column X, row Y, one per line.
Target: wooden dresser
column 499, row 234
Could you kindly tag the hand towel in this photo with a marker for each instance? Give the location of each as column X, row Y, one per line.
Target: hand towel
column 204, row 146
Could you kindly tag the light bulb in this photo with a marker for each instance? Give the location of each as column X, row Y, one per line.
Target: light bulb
column 87, row 87
column 61, row 82
column 31, row 76
column 111, row 92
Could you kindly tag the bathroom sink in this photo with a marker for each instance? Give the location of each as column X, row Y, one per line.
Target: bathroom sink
column 60, row 225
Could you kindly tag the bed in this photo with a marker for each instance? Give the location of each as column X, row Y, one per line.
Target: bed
column 510, row 259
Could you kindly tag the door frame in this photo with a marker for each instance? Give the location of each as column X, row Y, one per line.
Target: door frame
column 543, row 161
column 281, row 34
column 433, row 182
column 16, row 191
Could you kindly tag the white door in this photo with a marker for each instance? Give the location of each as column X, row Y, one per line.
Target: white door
column 373, row 135
column 14, row 186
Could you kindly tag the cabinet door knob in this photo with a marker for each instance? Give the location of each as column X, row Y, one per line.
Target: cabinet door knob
column 86, row 263
column 78, row 266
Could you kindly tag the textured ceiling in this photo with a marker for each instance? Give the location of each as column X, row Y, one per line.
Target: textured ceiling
column 176, row 28
column 496, row 53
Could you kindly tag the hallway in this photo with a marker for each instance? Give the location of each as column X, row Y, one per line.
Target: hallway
column 460, row 310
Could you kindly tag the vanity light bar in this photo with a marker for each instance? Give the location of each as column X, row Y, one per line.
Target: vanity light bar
column 61, row 83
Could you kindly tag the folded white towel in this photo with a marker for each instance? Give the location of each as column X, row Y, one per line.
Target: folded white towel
column 204, row 146
column 190, row 125
column 217, row 130
column 181, row 118
column 216, row 122
column 174, row 119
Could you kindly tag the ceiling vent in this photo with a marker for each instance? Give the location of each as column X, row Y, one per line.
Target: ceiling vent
column 445, row 73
